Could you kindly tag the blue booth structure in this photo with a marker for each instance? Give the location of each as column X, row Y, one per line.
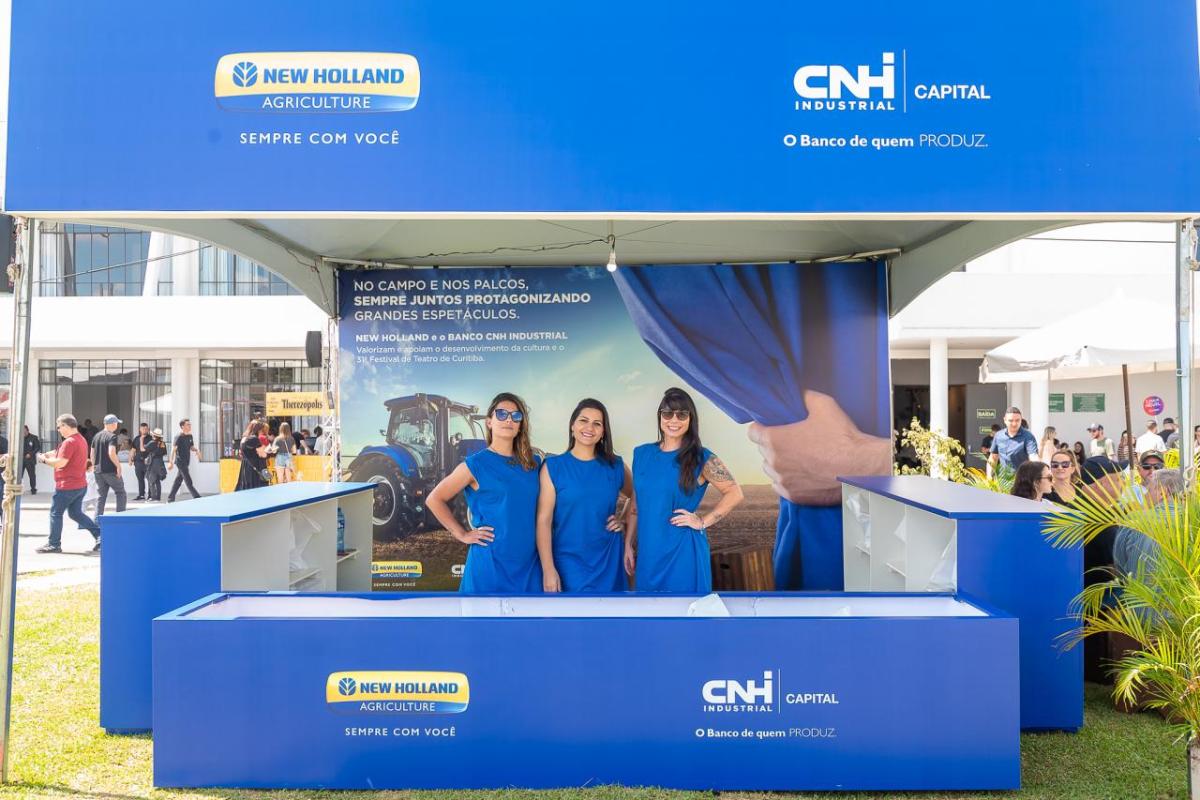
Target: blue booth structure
column 777, row 691
column 918, row 534
column 161, row 557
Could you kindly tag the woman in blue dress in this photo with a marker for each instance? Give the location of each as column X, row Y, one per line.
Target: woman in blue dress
column 666, row 542
column 501, row 485
column 578, row 533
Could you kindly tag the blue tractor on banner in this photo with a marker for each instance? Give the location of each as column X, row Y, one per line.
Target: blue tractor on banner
column 426, row 438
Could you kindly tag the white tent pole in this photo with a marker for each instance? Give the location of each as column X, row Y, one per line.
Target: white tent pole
column 1185, row 262
column 21, row 275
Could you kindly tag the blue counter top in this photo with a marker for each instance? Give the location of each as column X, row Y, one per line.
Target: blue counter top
column 242, row 505
column 947, row 499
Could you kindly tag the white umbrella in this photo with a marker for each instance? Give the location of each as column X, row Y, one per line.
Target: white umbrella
column 1107, row 339
column 1098, row 341
column 163, row 404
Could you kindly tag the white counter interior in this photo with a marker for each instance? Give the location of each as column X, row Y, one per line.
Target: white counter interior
column 451, row 605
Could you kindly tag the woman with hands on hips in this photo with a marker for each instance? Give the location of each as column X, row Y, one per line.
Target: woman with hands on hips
column 666, row 543
column 578, row 533
column 501, row 486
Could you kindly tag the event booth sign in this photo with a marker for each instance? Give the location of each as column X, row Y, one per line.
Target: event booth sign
column 715, row 152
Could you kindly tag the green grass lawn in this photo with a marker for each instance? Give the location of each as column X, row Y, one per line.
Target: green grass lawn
column 58, row 750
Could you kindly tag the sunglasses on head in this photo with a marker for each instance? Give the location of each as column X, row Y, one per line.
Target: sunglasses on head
column 503, row 414
column 667, row 413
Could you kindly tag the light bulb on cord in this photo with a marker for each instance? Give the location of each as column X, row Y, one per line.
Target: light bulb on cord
column 611, row 266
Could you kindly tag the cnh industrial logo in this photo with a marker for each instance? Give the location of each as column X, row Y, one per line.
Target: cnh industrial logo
column 369, row 692
column 313, row 82
column 833, row 87
column 726, row 695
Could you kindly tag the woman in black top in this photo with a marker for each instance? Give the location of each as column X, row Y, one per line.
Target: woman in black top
column 1065, row 473
column 156, row 451
column 1032, row 480
column 254, row 458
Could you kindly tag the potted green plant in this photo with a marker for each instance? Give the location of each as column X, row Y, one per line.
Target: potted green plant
column 1156, row 604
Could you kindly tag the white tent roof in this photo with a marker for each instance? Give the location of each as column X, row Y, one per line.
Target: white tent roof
column 305, row 250
column 1096, row 341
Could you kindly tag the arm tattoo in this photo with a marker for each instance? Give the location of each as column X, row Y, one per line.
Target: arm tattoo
column 716, row 471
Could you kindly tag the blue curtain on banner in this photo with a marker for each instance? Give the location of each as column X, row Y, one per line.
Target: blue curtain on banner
column 752, row 339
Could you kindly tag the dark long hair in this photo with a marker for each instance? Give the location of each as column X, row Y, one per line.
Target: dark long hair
column 691, row 454
column 522, row 448
column 1028, row 474
column 604, row 449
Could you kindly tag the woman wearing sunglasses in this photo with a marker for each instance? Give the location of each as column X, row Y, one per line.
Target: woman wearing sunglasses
column 1065, row 473
column 501, row 486
column 666, row 543
column 1032, row 480
column 578, row 537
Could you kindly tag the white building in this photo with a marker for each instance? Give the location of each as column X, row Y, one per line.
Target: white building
column 156, row 329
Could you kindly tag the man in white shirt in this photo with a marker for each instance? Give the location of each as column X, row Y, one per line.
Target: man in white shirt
column 1150, row 441
column 1100, row 445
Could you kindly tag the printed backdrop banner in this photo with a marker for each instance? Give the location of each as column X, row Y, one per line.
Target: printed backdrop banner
column 787, row 364
column 544, row 106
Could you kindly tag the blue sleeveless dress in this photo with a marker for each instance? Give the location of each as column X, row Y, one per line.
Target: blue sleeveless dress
column 507, row 501
column 669, row 558
column 586, row 554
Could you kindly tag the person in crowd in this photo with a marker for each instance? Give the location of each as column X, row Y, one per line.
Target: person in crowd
column 1104, row 484
column 1049, row 444
column 1099, row 445
column 1064, row 471
column 1014, row 445
column 1169, row 433
column 87, row 431
column 264, row 433
column 123, row 445
column 310, row 439
column 1133, row 550
column 253, row 472
column 140, row 443
column 1080, row 454
column 321, row 442
column 106, row 466
column 666, row 542
column 1032, row 481
column 70, row 466
column 1125, row 449
column 985, row 446
column 156, row 468
column 31, row 445
column 501, row 484
column 302, row 442
column 579, row 537
column 1148, row 463
column 181, row 459
column 1150, row 440
column 297, row 441
column 284, row 448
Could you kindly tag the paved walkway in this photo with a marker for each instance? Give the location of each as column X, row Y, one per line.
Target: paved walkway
column 75, row 565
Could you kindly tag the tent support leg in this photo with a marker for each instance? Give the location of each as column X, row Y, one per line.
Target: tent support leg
column 21, row 274
column 1185, row 263
column 1128, row 418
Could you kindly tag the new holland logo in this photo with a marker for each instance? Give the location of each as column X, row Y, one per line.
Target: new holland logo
column 397, row 692
column 331, row 83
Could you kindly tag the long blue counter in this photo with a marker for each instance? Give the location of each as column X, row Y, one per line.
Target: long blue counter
column 917, row 534
column 754, row 692
column 158, row 558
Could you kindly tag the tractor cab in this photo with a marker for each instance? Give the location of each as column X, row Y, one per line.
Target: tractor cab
column 427, row 436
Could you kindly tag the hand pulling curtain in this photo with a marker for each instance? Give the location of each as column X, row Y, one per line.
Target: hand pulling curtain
column 752, row 339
